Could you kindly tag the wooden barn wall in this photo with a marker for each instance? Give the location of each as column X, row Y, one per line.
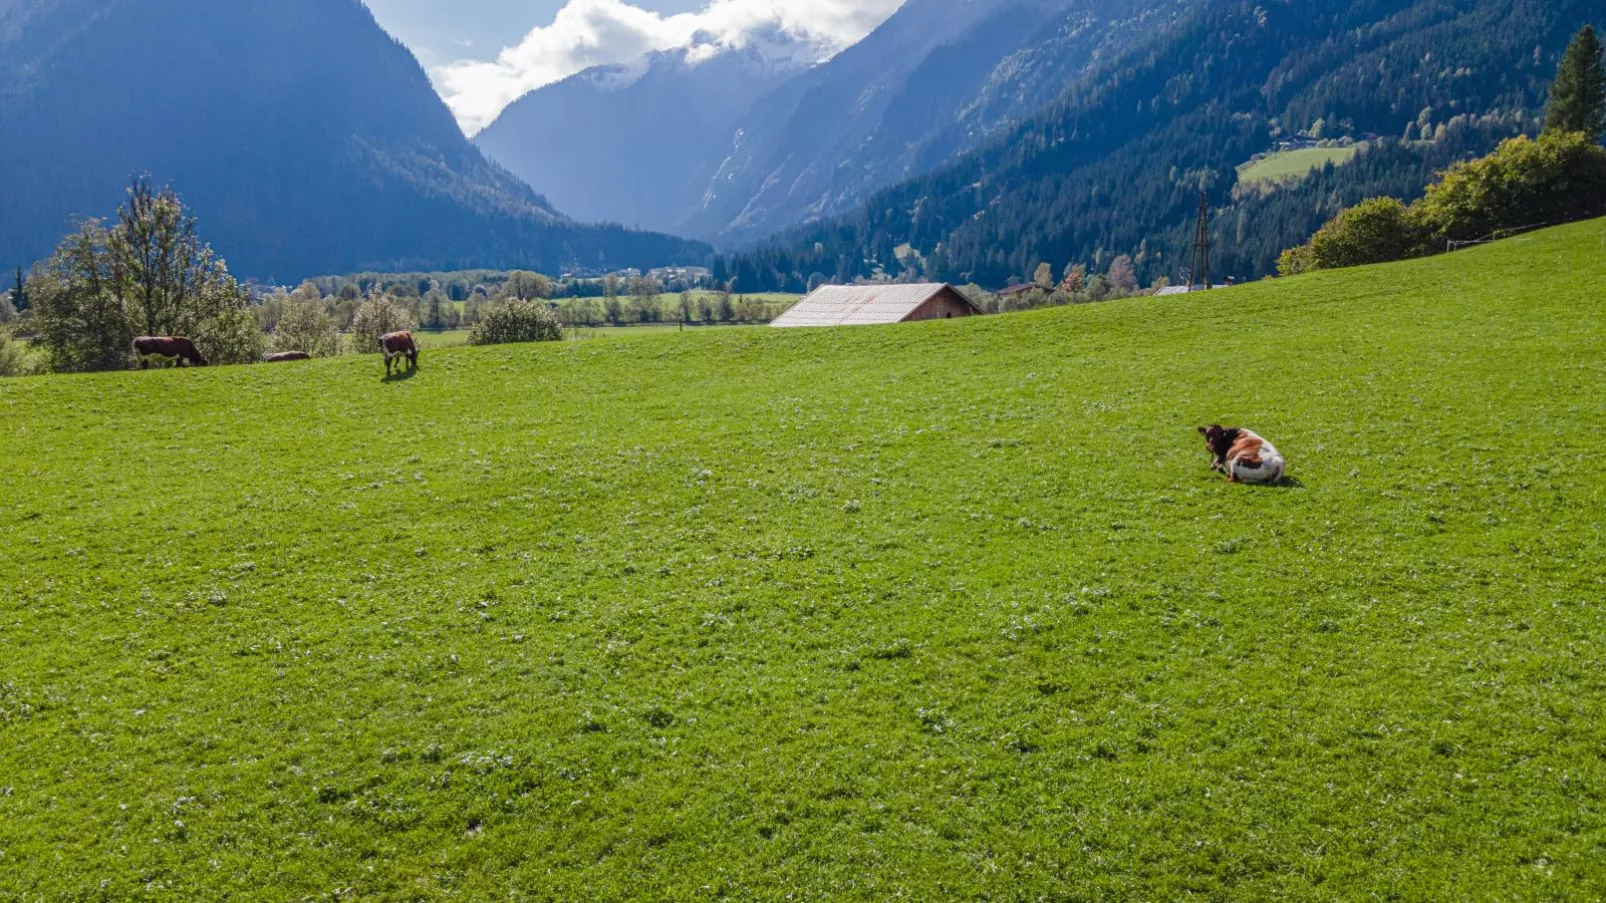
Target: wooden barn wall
column 944, row 305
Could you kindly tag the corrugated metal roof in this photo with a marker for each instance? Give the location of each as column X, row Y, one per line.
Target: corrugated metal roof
column 859, row 305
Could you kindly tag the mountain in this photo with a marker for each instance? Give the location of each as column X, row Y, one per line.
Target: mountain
column 637, row 143
column 937, row 78
column 733, row 145
column 306, row 140
column 1115, row 163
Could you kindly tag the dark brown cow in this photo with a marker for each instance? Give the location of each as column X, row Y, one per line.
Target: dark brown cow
column 286, row 356
column 399, row 344
column 162, row 351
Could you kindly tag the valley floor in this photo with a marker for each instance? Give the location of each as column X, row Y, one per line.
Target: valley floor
column 938, row 611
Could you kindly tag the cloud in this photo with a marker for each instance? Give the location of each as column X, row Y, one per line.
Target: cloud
column 589, row 33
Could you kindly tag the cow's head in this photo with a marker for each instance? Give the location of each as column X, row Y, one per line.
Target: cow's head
column 1218, row 440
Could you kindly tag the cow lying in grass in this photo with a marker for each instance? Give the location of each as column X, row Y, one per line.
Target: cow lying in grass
column 165, row 351
column 398, row 345
column 285, row 357
column 1243, row 456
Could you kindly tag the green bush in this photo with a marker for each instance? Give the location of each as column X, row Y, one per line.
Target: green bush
column 378, row 316
column 232, row 337
column 1559, row 178
column 305, row 325
column 517, row 321
column 16, row 358
column 1375, row 231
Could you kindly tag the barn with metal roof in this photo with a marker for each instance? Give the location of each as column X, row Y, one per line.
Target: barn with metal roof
column 866, row 305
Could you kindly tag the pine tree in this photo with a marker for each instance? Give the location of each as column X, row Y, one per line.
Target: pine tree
column 19, row 293
column 1578, row 95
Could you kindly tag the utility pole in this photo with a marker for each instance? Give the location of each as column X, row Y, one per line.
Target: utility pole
column 1201, row 245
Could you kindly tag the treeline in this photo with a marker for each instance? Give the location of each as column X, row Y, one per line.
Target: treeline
column 1524, row 184
column 619, row 302
column 461, row 285
column 149, row 273
column 1116, row 164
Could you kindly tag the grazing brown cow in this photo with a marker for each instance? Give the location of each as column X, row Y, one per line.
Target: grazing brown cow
column 163, row 351
column 286, row 356
column 399, row 344
column 1243, row 456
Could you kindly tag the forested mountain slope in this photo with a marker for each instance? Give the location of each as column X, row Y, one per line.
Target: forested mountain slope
column 1115, row 164
column 939, row 77
column 305, row 138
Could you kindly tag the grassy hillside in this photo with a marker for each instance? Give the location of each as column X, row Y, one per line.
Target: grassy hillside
column 950, row 610
column 1295, row 164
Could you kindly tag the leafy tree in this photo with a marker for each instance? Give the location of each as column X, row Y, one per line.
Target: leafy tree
column 517, row 321
column 378, row 316
column 81, row 321
column 305, row 325
column 1376, row 231
column 1559, row 178
column 232, row 337
column 434, row 311
column 1578, row 95
column 524, row 285
column 1043, row 278
column 170, row 282
column 148, row 274
column 644, row 299
column 1122, row 277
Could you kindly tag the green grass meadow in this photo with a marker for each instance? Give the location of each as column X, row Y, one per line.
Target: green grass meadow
column 1294, row 164
column 947, row 610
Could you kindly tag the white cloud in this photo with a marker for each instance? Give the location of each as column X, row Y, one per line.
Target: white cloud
column 589, row 33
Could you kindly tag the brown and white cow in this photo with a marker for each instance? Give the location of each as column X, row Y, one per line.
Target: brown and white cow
column 399, row 345
column 286, row 356
column 1243, row 456
column 163, row 351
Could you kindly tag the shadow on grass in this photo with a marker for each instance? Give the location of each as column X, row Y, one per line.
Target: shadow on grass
column 1287, row 483
column 400, row 376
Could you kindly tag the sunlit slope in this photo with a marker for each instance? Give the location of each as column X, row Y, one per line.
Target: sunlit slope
column 951, row 610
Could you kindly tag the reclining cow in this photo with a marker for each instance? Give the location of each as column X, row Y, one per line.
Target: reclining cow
column 1243, row 456
column 399, row 345
column 164, row 351
column 286, row 356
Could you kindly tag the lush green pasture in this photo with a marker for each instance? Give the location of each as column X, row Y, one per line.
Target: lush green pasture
column 1294, row 164
column 951, row 610
column 457, row 338
column 431, row 340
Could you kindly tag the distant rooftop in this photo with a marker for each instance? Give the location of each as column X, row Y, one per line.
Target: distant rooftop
column 865, row 305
